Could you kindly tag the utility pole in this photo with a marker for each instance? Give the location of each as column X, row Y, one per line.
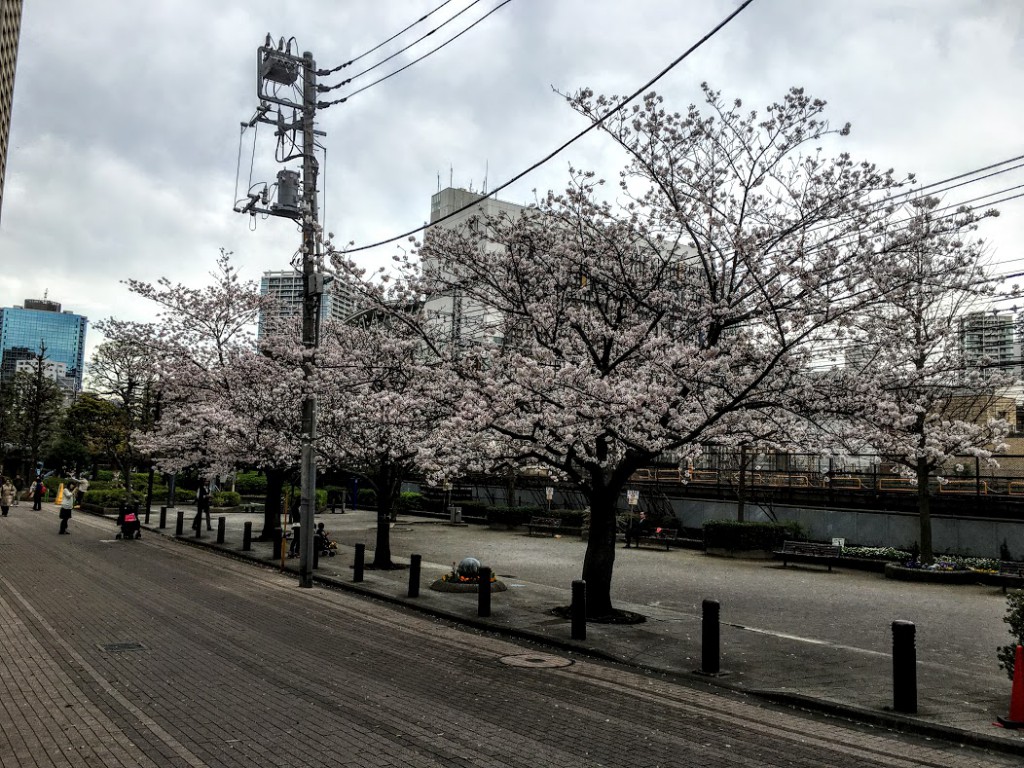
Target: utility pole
column 278, row 70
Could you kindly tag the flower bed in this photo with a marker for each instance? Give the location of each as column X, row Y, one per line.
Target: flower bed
column 931, row 575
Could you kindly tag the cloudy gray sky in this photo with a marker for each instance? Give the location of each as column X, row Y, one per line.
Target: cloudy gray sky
column 125, row 135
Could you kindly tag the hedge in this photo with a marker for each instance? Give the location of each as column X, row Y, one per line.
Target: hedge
column 735, row 535
column 225, row 499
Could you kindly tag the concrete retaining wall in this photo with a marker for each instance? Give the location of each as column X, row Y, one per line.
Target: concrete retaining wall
column 976, row 537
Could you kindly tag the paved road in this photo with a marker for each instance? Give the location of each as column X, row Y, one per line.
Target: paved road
column 152, row 653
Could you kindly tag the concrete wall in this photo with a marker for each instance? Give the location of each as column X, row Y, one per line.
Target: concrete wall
column 975, row 537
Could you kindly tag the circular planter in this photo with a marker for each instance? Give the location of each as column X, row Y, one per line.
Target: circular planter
column 440, row 585
column 902, row 573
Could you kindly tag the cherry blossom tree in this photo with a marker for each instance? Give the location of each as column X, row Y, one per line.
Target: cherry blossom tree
column 605, row 337
column 223, row 403
column 376, row 392
column 916, row 400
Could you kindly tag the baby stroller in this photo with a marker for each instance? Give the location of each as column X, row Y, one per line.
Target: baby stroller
column 128, row 519
column 323, row 544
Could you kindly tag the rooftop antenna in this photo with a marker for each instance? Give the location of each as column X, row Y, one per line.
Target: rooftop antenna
column 451, row 174
column 438, row 181
column 487, row 164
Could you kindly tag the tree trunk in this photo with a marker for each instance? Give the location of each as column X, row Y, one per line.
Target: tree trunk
column 388, row 483
column 924, row 512
column 599, row 561
column 272, row 504
column 740, row 500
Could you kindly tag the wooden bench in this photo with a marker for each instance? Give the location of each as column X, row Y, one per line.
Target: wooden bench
column 658, row 537
column 809, row 551
column 548, row 525
column 1011, row 574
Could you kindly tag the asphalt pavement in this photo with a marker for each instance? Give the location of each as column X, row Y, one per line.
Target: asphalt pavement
column 799, row 635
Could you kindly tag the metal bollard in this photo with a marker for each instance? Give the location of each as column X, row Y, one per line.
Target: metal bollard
column 147, row 515
column 316, row 555
column 578, row 610
column 483, row 608
column 357, row 568
column 221, row 525
column 710, row 638
column 247, row 536
column 414, row 575
column 904, row 668
column 275, row 553
column 199, row 529
column 163, row 517
column 180, row 527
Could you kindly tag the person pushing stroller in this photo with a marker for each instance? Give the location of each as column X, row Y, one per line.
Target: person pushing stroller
column 128, row 519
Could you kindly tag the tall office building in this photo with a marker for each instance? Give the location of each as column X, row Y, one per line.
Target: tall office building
column 338, row 302
column 992, row 339
column 10, row 29
column 464, row 320
column 40, row 323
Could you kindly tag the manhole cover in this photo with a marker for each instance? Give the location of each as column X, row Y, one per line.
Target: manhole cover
column 536, row 660
column 121, row 647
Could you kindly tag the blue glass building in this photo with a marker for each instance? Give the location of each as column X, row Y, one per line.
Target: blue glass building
column 41, row 322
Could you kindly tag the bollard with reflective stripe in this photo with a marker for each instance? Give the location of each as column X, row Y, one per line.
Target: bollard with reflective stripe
column 275, row 553
column 414, row 575
column 710, row 638
column 904, row 668
column 578, row 610
column 483, row 608
column 357, row 568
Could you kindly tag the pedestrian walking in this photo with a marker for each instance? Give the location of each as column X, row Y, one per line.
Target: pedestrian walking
column 38, row 489
column 19, row 483
column 66, row 504
column 202, row 505
column 8, row 495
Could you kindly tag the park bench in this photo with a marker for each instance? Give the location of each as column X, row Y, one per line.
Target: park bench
column 1011, row 574
column 658, row 537
column 809, row 551
column 549, row 525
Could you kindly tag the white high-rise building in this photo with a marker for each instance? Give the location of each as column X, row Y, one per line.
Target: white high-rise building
column 464, row 319
column 338, row 302
column 992, row 338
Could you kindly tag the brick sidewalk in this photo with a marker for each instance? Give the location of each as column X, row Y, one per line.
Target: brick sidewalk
column 958, row 697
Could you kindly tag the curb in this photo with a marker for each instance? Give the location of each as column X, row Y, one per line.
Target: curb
column 885, row 719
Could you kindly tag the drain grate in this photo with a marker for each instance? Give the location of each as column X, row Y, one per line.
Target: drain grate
column 536, row 661
column 122, row 647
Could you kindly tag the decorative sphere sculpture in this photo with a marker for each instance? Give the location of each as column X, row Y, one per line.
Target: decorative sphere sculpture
column 469, row 567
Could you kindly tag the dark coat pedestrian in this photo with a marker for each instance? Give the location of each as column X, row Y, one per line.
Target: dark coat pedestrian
column 38, row 489
column 202, row 506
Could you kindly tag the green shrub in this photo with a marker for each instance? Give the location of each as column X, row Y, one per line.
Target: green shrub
column 1015, row 618
column 251, row 483
column 511, row 516
column 734, row 535
column 184, row 496
column 295, row 500
column 571, row 518
column 367, row 498
column 225, row 499
column 111, row 497
column 409, row 500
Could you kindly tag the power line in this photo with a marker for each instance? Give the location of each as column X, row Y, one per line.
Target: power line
column 325, row 104
column 593, row 126
column 325, row 72
column 327, row 88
